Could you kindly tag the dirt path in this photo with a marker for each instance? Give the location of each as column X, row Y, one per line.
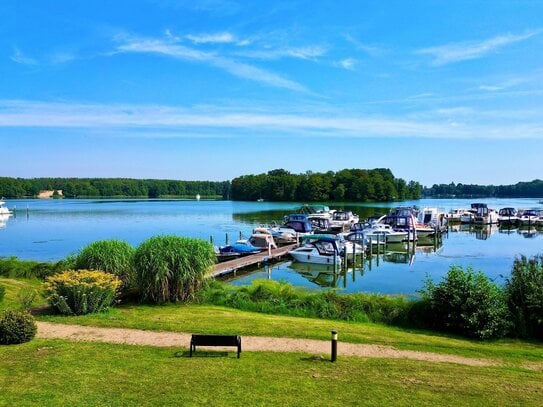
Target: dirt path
column 250, row 343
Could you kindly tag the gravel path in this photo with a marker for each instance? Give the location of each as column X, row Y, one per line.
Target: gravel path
column 47, row 330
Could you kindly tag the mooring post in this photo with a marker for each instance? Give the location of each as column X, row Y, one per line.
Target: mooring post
column 345, row 254
column 333, row 357
column 226, row 239
column 211, row 239
column 240, row 235
column 269, row 250
column 371, row 246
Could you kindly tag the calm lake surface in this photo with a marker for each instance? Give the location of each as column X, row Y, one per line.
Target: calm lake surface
column 49, row 230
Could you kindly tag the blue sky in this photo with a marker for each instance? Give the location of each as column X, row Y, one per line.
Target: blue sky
column 437, row 91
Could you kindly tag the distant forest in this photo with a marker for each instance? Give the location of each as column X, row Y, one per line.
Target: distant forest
column 532, row 189
column 351, row 185
column 112, row 187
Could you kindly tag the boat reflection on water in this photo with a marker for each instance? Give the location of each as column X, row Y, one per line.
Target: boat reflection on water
column 529, row 232
column 4, row 220
column 321, row 274
column 481, row 232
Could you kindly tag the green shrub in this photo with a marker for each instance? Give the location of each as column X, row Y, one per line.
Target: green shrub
column 14, row 268
column 466, row 303
column 81, row 292
column 16, row 327
column 2, row 292
column 112, row 256
column 282, row 298
column 524, row 292
column 172, row 268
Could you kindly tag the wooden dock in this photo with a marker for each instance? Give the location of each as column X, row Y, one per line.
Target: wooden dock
column 231, row 266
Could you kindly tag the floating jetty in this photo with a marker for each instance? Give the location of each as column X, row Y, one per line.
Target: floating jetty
column 232, row 266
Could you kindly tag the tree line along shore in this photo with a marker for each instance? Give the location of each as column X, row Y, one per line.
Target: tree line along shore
column 347, row 185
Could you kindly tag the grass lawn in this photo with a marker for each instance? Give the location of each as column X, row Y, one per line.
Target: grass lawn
column 13, row 289
column 215, row 319
column 54, row 372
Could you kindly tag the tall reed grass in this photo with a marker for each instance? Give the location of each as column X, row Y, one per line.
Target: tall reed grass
column 112, row 256
column 172, row 268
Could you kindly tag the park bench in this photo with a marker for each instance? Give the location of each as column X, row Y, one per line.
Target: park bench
column 215, row 340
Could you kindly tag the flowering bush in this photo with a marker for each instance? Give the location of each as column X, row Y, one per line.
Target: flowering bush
column 81, row 292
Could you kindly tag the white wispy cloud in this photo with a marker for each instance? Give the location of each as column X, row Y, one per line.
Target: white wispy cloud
column 22, row 59
column 149, row 120
column 371, row 50
column 462, row 51
column 236, row 68
column 309, row 52
column 215, row 38
column 347, row 63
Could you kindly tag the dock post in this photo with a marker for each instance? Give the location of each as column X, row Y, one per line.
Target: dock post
column 211, row 239
column 345, row 254
column 226, row 239
column 240, row 235
column 354, row 254
column 269, row 250
column 371, row 247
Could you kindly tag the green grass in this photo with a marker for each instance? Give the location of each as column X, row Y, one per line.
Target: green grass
column 215, row 319
column 53, row 372
column 14, row 286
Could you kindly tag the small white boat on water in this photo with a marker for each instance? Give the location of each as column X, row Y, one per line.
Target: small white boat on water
column 383, row 232
column 508, row 216
column 318, row 250
column 4, row 209
column 342, row 220
column 529, row 217
column 455, row 214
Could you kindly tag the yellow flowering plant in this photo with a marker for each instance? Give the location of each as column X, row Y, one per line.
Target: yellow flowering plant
column 78, row 292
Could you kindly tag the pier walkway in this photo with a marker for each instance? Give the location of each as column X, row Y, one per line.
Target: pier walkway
column 231, row 266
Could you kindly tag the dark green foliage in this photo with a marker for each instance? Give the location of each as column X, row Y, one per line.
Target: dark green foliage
column 282, row 298
column 112, row 187
column 112, row 256
column 2, row 292
column 172, row 268
column 532, row 189
column 16, row 327
column 524, row 291
column 466, row 303
column 346, row 185
column 13, row 267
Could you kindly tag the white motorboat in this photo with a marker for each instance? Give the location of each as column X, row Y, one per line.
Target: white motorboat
column 431, row 217
column 508, row 216
column 3, row 209
column 485, row 216
column 342, row 220
column 467, row 217
column 383, row 232
column 455, row 214
column 529, row 217
column 318, row 249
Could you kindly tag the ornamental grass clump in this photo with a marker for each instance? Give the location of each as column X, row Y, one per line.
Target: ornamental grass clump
column 16, row 327
column 172, row 268
column 78, row 292
column 112, row 256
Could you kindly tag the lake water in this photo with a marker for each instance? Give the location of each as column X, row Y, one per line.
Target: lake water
column 49, row 230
